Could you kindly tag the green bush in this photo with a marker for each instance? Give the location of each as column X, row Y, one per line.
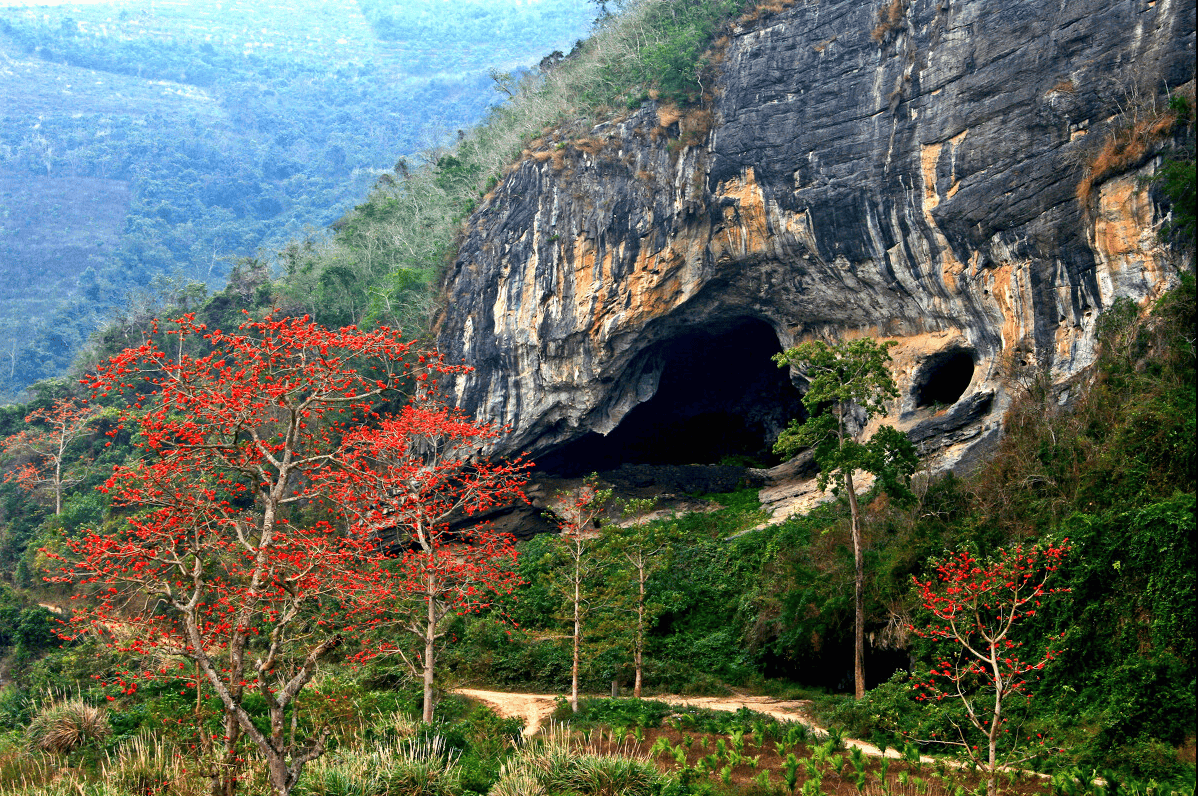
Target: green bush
column 884, row 713
column 16, row 708
column 614, row 713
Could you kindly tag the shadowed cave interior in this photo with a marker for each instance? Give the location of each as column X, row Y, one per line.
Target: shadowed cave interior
column 721, row 398
column 943, row 378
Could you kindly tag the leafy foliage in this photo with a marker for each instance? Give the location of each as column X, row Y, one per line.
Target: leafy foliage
column 619, row 713
column 849, row 382
column 671, row 57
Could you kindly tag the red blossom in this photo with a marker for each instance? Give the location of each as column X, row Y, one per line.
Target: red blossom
column 254, row 452
column 977, row 621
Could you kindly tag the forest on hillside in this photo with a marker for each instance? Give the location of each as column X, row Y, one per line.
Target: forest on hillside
column 145, row 146
column 1108, row 480
column 236, row 548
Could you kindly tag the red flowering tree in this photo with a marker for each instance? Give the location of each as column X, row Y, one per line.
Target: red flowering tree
column 41, row 450
column 977, row 606
column 230, row 553
column 425, row 486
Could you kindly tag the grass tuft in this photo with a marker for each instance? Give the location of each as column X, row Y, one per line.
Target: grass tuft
column 63, row 727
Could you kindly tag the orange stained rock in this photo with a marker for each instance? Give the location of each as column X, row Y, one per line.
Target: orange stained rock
column 1124, row 215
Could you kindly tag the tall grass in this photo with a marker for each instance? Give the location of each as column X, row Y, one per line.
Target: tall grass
column 65, row 726
column 141, row 765
column 555, row 764
column 413, row 768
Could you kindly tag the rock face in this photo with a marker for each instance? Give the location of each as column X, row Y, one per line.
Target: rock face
column 915, row 181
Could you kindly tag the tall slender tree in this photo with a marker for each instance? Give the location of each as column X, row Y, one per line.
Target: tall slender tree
column 634, row 551
column 578, row 512
column 424, row 485
column 846, row 379
column 40, row 451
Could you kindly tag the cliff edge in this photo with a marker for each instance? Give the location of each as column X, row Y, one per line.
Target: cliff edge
column 923, row 171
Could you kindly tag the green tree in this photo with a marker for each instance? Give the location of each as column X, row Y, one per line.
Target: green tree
column 634, row 552
column 849, row 383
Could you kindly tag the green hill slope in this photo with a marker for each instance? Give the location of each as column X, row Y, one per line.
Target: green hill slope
column 214, row 129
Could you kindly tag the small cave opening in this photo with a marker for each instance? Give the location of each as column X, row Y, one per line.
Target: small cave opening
column 943, row 378
column 720, row 399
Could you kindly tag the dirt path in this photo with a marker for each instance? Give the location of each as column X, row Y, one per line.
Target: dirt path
column 535, row 709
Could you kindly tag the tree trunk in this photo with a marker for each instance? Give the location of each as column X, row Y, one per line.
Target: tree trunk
column 225, row 779
column 430, row 638
column 577, row 636
column 58, row 486
column 280, row 776
column 995, row 723
column 207, row 751
column 858, row 590
column 638, row 651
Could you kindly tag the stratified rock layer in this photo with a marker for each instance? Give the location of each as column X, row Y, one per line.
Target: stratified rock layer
column 921, row 188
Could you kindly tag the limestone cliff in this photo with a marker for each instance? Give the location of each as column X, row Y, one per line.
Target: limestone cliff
column 915, row 180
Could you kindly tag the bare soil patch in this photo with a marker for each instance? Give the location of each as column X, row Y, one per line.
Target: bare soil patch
column 925, row 777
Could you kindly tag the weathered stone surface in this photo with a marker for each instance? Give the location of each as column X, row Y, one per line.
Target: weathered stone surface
column 922, row 190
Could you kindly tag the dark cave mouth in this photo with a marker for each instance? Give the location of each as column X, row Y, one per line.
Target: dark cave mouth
column 721, row 399
column 943, row 378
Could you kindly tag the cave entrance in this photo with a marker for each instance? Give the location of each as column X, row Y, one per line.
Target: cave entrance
column 720, row 398
column 943, row 378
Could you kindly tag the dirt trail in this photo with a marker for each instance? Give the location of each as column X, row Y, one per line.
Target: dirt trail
column 535, row 709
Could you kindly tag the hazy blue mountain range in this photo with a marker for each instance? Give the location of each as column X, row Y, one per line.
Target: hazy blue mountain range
column 155, row 140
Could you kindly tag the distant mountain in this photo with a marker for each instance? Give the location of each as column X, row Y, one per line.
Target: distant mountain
column 158, row 140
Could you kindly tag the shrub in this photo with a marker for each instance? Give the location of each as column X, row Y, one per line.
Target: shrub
column 66, row 726
column 890, row 21
column 552, row 765
column 1138, row 137
column 16, row 709
column 414, row 768
column 882, row 713
column 616, row 713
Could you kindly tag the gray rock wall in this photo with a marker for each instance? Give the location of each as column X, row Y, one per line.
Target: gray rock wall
column 920, row 188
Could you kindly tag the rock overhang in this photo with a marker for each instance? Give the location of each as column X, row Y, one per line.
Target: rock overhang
column 920, row 191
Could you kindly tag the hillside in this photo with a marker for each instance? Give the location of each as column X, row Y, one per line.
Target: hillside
column 168, row 139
